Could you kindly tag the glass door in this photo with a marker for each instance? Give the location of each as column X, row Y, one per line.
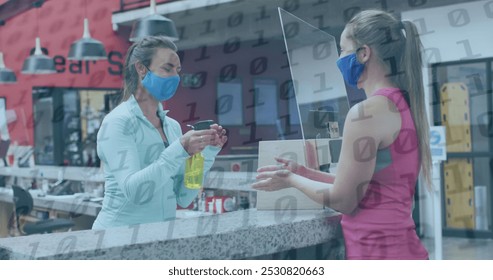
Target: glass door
column 66, row 123
column 45, row 120
column 462, row 103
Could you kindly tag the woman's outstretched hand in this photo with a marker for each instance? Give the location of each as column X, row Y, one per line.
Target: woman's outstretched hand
column 283, row 163
column 276, row 177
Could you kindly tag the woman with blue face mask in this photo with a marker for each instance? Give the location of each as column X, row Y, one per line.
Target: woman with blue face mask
column 384, row 147
column 142, row 150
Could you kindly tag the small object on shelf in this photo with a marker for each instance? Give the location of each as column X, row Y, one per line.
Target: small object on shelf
column 34, row 185
column 229, row 204
column 244, row 203
column 218, row 205
column 44, row 184
column 201, row 206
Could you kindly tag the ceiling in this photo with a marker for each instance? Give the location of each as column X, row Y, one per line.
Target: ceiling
column 213, row 24
column 250, row 19
column 11, row 8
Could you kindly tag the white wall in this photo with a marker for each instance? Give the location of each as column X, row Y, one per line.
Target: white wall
column 450, row 33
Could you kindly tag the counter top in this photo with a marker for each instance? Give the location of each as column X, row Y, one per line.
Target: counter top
column 234, row 235
column 75, row 204
column 217, row 179
column 233, row 181
column 88, row 174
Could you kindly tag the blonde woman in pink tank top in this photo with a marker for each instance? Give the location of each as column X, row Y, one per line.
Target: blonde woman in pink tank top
column 384, row 146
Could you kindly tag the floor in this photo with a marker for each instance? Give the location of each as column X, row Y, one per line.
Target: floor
column 455, row 248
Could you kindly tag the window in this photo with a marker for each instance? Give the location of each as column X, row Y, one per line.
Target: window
column 229, row 108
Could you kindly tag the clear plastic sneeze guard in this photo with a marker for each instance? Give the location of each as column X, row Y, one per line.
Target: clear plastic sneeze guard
column 318, row 87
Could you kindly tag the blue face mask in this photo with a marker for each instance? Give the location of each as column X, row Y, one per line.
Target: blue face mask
column 160, row 88
column 350, row 68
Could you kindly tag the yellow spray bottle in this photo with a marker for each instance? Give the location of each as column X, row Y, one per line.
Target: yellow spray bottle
column 194, row 166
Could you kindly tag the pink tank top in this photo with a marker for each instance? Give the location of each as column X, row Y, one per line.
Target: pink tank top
column 382, row 227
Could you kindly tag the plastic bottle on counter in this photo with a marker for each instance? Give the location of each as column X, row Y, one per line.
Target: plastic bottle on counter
column 202, row 202
column 195, row 204
column 229, row 204
column 44, row 184
column 244, row 203
column 34, row 184
column 218, row 205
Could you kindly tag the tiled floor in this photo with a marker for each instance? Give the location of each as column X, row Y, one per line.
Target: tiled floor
column 462, row 248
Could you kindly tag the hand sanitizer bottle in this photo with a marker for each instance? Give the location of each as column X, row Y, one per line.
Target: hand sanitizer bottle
column 44, row 184
column 194, row 171
column 194, row 166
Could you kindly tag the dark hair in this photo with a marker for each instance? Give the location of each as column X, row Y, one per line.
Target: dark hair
column 398, row 44
column 141, row 51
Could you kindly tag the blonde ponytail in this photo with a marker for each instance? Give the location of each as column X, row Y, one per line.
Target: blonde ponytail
column 398, row 43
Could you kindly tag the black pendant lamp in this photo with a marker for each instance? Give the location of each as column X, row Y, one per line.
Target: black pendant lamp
column 87, row 48
column 38, row 63
column 7, row 76
column 153, row 25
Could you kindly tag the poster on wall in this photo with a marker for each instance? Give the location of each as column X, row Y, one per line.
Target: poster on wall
column 438, row 144
column 229, row 103
column 265, row 95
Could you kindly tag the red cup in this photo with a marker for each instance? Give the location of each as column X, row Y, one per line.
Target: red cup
column 10, row 159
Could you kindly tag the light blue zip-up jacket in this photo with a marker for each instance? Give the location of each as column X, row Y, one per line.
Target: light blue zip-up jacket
column 143, row 179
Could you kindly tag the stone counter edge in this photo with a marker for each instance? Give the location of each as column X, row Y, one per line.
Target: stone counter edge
column 218, row 239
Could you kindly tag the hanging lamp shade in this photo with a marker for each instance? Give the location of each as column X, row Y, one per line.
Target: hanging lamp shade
column 87, row 48
column 7, row 76
column 38, row 63
column 153, row 25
